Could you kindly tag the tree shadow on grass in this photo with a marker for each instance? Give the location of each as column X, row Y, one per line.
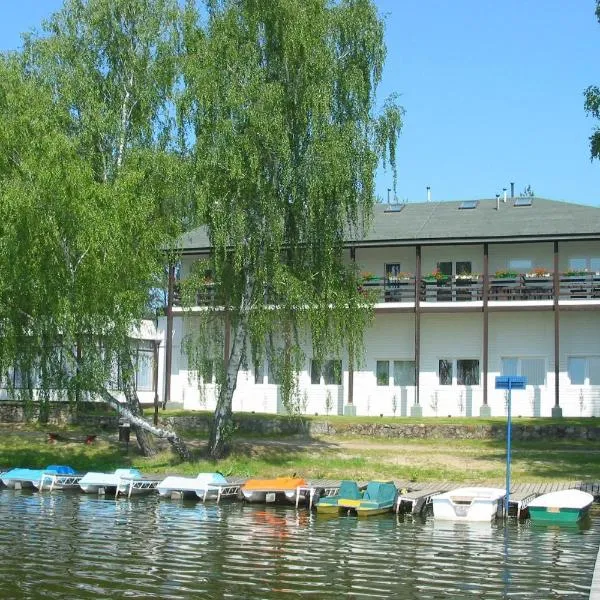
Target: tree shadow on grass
column 548, row 460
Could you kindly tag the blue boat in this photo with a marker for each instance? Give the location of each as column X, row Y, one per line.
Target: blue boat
column 18, row 478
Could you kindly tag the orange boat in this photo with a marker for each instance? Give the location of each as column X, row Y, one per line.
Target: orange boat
column 274, row 490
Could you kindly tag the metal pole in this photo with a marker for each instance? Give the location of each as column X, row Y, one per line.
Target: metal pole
column 508, row 428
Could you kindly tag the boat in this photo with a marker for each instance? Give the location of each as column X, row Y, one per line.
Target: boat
column 565, row 506
column 378, row 497
column 18, row 478
column 469, row 504
column 274, row 490
column 206, row 486
column 122, row 481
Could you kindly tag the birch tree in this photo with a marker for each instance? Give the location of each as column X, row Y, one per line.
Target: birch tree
column 90, row 192
column 592, row 106
column 280, row 104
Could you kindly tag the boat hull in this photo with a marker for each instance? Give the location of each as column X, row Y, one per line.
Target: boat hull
column 565, row 506
column 279, row 489
column 541, row 514
column 468, row 504
column 270, row 497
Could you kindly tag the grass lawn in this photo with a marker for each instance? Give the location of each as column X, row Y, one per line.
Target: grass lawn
column 461, row 461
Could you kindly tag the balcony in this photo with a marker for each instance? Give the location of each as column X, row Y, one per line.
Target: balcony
column 458, row 289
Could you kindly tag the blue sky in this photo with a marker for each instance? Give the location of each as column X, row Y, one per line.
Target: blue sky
column 493, row 92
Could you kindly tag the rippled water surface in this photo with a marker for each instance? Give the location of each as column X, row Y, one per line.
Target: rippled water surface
column 66, row 545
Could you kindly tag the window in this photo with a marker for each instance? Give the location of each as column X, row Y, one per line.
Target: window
column 144, row 366
column 463, row 267
column 467, row 371
column 329, row 370
column 445, row 268
column 259, row 374
column 445, row 371
column 332, row 373
column 404, row 372
column 520, row 265
column 383, row 372
column 273, row 373
column 534, row 369
column 468, row 204
column 523, row 201
column 460, row 267
column 585, row 263
column 392, row 270
column 584, row 370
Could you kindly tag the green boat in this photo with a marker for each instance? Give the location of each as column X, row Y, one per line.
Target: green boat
column 566, row 506
column 379, row 497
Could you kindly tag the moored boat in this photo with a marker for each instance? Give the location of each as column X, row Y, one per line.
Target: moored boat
column 565, row 506
column 122, row 481
column 206, row 486
column 273, row 490
column 468, row 504
column 379, row 497
column 29, row 478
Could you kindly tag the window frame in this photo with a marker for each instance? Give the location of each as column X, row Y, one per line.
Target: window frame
column 322, row 372
column 525, row 267
column 586, row 378
column 391, row 370
column 453, row 368
column 519, row 369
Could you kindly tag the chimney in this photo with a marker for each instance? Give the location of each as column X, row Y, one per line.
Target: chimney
column 512, row 189
column 504, row 194
column 497, row 201
column 428, row 194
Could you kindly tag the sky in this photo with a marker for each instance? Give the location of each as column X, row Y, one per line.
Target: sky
column 493, row 94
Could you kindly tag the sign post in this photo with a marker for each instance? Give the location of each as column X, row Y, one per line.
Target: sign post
column 509, row 382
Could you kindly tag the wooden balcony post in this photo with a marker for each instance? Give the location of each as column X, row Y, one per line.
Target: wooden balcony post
column 416, row 410
column 169, row 340
column 484, row 409
column 350, row 409
column 556, row 410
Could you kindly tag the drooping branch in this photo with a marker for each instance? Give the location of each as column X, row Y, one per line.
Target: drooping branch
column 178, row 445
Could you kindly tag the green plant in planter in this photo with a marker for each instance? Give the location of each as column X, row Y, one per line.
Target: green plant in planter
column 505, row 274
column 436, row 276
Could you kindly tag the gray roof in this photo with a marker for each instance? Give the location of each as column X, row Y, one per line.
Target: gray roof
column 444, row 222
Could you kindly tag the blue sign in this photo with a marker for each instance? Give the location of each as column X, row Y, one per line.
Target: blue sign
column 509, row 382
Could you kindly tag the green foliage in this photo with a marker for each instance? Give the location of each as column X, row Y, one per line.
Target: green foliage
column 91, row 188
column 592, row 106
column 280, row 97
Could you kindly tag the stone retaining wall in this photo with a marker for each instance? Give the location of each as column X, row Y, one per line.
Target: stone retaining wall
column 96, row 416
column 248, row 425
column 86, row 414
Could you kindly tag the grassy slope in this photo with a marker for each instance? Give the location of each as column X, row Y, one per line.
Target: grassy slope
column 476, row 461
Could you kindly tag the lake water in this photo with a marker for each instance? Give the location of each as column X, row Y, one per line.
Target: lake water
column 67, row 545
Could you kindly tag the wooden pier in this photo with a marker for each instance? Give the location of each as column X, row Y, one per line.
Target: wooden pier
column 414, row 498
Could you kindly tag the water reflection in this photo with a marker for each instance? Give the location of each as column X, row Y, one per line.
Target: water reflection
column 66, row 545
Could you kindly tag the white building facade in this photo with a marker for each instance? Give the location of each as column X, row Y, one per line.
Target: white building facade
column 465, row 291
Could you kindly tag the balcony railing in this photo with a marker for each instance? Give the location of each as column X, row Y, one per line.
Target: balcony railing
column 458, row 289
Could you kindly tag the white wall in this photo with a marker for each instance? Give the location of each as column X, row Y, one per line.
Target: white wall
column 391, row 337
column 579, row 336
column 523, row 335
